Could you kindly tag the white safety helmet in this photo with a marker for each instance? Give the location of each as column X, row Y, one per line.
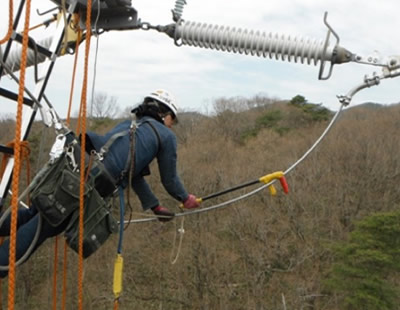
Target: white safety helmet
column 165, row 98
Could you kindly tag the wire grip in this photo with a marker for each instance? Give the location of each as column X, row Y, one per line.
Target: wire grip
column 279, row 175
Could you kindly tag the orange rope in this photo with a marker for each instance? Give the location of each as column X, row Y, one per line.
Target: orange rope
column 10, row 24
column 25, row 151
column 55, row 273
column 17, row 147
column 64, row 294
column 68, row 120
column 82, row 163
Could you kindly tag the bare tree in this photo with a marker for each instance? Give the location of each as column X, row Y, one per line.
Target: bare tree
column 103, row 106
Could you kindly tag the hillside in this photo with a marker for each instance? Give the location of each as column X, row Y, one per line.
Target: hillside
column 263, row 252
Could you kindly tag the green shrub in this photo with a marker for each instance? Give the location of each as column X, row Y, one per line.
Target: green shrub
column 367, row 263
column 269, row 119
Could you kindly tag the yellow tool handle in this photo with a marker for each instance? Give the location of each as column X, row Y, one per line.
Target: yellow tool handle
column 272, row 190
column 118, row 266
column 272, row 176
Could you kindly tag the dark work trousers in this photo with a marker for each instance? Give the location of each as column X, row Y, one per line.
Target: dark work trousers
column 27, row 223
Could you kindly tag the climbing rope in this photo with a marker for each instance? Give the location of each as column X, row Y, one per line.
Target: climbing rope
column 55, row 264
column 68, row 120
column 64, row 10
column 17, row 155
column 10, row 23
column 82, row 160
column 64, row 293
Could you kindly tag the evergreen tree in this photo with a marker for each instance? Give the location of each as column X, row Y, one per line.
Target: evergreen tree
column 367, row 264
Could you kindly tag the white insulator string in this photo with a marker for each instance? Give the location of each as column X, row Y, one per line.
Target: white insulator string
column 255, row 43
column 178, row 10
column 13, row 60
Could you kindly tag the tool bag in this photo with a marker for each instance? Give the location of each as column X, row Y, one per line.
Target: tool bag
column 98, row 224
column 57, row 197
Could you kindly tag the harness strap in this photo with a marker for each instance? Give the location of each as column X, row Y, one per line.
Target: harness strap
column 156, row 132
column 104, row 149
column 129, row 161
column 131, row 153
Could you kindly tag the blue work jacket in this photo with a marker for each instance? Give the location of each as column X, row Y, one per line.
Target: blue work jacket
column 147, row 147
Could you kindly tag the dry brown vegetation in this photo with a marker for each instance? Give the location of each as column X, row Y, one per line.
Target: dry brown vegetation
column 260, row 253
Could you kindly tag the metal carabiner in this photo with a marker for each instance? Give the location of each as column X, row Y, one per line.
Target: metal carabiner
column 58, row 147
column 70, row 154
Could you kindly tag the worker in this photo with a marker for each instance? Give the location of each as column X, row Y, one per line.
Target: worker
column 154, row 139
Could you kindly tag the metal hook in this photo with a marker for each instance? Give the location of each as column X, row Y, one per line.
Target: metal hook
column 322, row 67
column 46, row 12
column 330, row 28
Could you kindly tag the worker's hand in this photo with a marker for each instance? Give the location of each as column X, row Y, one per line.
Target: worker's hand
column 191, row 202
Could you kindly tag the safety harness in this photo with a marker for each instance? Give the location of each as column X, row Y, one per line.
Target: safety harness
column 56, row 194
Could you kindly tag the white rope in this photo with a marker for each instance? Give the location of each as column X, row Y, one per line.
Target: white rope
column 95, row 59
column 181, row 232
column 231, row 201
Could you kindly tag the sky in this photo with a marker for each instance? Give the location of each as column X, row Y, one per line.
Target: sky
column 131, row 64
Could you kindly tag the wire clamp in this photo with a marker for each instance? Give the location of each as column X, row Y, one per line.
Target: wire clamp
column 269, row 178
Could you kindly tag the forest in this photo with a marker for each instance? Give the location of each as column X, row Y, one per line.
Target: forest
column 332, row 242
